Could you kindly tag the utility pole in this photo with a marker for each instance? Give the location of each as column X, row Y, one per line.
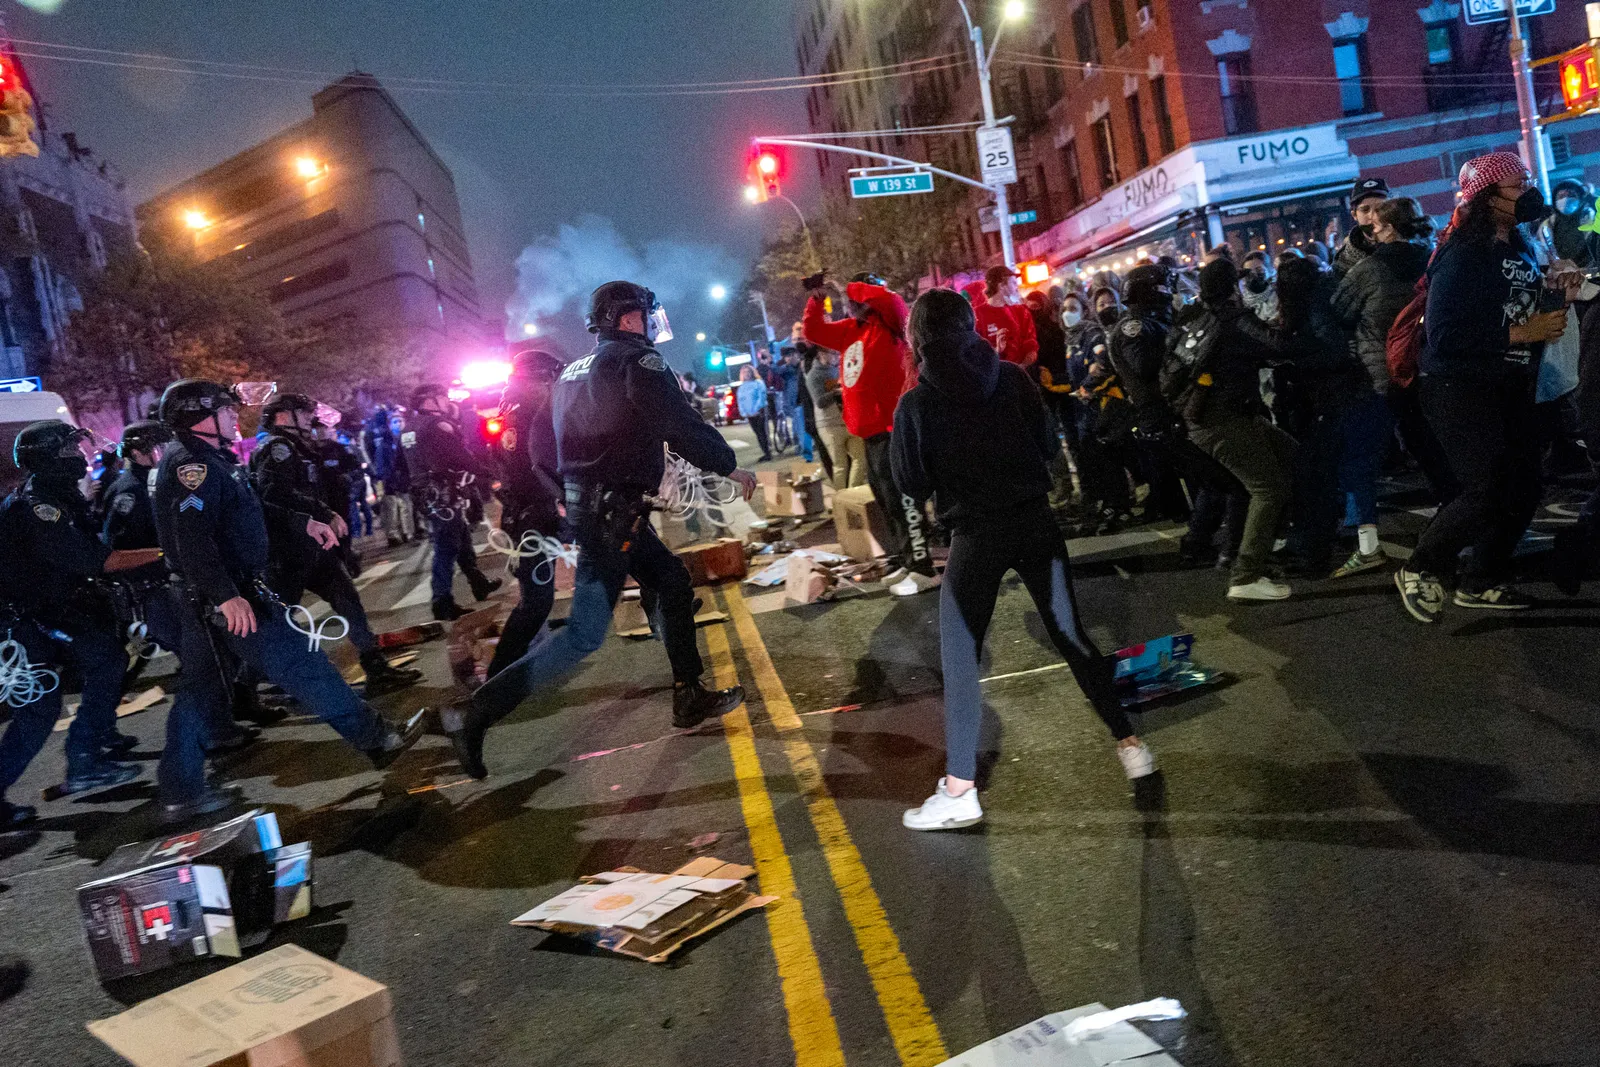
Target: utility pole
column 1533, row 153
column 1002, row 204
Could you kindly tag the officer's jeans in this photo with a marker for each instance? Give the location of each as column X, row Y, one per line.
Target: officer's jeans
column 452, row 545
column 281, row 656
column 602, row 569
column 101, row 660
column 908, row 538
column 525, row 620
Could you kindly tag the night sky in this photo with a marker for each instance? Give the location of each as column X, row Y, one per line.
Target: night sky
column 666, row 172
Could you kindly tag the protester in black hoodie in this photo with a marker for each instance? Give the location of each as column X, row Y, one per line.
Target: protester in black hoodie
column 973, row 435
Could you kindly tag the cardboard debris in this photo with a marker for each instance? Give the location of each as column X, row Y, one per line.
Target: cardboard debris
column 131, row 704
column 285, row 1008
column 1045, row 1043
column 859, row 524
column 411, row 635
column 462, row 648
column 805, row 581
column 1159, row 668
column 649, row 916
column 206, row 893
column 715, row 561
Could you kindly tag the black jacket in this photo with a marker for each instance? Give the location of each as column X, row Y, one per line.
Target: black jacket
column 212, row 526
column 615, row 407
column 1138, row 346
column 1372, row 295
column 972, row 434
column 1326, row 371
column 530, row 487
column 287, row 474
column 50, row 553
column 129, row 521
column 1241, row 346
column 1478, row 290
column 435, row 454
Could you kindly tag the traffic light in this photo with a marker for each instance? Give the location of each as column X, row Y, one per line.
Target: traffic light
column 1580, row 77
column 16, row 112
column 762, row 177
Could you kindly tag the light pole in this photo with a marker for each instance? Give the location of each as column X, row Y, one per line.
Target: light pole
column 1527, row 109
column 752, row 194
column 1002, row 205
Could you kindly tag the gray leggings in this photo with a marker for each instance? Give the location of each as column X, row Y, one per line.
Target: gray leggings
column 979, row 560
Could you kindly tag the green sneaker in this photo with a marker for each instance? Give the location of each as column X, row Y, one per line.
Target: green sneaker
column 1359, row 563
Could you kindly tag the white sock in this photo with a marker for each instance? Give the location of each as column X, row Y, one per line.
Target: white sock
column 1367, row 538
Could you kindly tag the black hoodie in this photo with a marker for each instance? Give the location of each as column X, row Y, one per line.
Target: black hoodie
column 972, row 434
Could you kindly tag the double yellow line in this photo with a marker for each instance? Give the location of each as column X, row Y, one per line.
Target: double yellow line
column 811, row 1021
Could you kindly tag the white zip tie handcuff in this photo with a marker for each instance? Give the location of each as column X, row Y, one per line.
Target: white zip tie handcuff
column 548, row 551
column 687, row 490
column 314, row 631
column 21, row 683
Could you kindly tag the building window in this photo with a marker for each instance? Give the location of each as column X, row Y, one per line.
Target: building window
column 1083, row 35
column 300, row 284
column 422, row 222
column 1105, row 153
column 1054, row 85
column 1158, row 97
column 1445, row 91
column 1349, row 62
column 1074, row 174
column 1141, row 148
column 1119, row 21
column 1238, row 94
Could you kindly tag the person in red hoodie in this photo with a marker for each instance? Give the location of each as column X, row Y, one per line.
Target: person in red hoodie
column 875, row 360
column 1003, row 319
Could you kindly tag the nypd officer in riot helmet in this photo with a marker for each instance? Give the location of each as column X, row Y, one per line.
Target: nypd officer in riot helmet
column 613, row 411
column 213, row 528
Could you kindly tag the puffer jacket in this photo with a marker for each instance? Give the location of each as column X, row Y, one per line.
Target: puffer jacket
column 1372, row 295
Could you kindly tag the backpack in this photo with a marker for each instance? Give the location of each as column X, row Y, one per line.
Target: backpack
column 1403, row 348
column 1183, row 380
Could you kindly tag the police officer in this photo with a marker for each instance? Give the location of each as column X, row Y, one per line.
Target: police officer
column 50, row 558
column 1138, row 346
column 288, row 475
column 530, row 494
column 613, row 411
column 446, row 478
column 213, row 527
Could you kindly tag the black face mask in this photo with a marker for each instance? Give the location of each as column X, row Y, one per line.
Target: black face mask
column 1109, row 316
column 1530, row 205
column 1257, row 282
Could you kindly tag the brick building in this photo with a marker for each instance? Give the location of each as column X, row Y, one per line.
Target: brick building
column 1174, row 125
column 348, row 214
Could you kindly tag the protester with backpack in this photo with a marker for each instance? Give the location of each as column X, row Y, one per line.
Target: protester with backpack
column 1212, row 378
column 1487, row 322
column 1369, row 299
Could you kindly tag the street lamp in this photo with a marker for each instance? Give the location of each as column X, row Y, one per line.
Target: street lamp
column 308, row 168
column 530, row 329
column 195, row 219
column 1014, row 9
column 753, row 195
column 719, row 292
column 701, row 336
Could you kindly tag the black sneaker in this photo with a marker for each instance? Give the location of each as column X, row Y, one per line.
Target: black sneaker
column 694, row 704
column 398, row 741
column 208, row 802
column 1421, row 594
column 101, row 774
column 448, row 610
column 16, row 816
column 1494, row 598
column 466, row 732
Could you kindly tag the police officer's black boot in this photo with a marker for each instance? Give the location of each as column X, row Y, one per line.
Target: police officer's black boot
column 447, row 610
column 96, row 773
column 693, row 703
column 483, row 585
column 117, row 744
column 209, row 802
column 466, row 731
column 383, row 677
column 16, row 816
column 397, row 740
column 238, row 738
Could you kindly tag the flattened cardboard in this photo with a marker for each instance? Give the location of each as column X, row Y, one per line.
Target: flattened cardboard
column 703, row 894
column 285, row 1008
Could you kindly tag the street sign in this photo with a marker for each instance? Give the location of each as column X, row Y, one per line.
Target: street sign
column 1478, row 12
column 911, row 181
column 1020, row 217
column 995, row 156
column 21, row 385
column 989, row 219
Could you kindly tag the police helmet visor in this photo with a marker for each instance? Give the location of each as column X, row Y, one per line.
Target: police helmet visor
column 328, row 415
column 657, row 328
column 254, row 394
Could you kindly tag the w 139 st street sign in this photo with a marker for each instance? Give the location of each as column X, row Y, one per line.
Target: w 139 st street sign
column 1479, row 12
column 911, row 181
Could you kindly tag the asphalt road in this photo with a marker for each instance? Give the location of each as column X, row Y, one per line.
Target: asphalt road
column 1374, row 845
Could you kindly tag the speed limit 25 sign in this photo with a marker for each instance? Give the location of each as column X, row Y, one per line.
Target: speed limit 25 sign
column 995, row 157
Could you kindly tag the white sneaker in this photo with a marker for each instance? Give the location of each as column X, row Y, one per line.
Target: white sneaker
column 1137, row 760
column 914, row 583
column 894, row 576
column 945, row 812
column 1260, row 589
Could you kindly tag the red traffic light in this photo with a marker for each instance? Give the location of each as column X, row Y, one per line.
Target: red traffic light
column 767, row 164
column 1580, row 78
column 9, row 75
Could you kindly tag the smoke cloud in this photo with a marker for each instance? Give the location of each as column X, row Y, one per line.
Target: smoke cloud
column 559, row 272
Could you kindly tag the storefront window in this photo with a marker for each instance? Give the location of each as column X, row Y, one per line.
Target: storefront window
column 1238, row 94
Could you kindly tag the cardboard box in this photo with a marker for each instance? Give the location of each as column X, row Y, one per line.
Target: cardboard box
column 649, row 916
column 805, row 581
column 805, row 498
column 714, row 561
column 859, row 523
column 207, row 893
column 285, row 1008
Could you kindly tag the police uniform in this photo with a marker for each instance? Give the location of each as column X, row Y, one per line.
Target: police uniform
column 443, row 474
column 290, row 479
column 213, row 528
column 1138, row 347
column 530, row 502
column 49, row 560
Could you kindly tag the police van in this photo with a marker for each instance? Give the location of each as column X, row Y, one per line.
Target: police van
column 17, row 411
